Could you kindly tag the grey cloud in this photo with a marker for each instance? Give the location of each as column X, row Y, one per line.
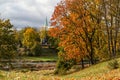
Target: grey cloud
column 27, row 12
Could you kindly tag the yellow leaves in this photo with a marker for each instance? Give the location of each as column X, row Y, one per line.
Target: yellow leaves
column 29, row 37
column 97, row 1
column 43, row 33
column 29, row 31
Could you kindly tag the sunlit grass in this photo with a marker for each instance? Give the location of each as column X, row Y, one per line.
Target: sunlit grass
column 30, row 75
column 98, row 69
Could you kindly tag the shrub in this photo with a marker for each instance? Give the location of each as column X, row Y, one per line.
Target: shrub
column 63, row 66
column 113, row 64
column 36, row 50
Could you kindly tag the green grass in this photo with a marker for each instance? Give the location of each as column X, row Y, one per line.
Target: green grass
column 94, row 70
column 46, row 55
column 41, row 58
column 91, row 73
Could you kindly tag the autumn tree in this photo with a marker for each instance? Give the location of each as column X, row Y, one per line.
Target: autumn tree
column 86, row 28
column 53, row 34
column 31, row 41
column 71, row 20
column 77, row 30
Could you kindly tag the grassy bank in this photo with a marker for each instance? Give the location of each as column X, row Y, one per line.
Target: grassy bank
column 96, row 72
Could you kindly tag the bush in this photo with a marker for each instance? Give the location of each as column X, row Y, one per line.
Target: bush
column 113, row 64
column 64, row 66
column 36, row 50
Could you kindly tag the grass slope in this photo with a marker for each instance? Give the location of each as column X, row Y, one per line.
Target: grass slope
column 95, row 72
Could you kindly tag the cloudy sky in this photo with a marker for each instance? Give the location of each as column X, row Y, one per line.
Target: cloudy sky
column 24, row 13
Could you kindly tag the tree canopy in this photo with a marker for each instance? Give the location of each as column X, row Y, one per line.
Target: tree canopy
column 87, row 29
column 8, row 45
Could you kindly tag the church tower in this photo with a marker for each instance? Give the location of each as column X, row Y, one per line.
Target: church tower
column 44, row 39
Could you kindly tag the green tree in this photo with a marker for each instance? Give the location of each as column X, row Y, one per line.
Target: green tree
column 7, row 40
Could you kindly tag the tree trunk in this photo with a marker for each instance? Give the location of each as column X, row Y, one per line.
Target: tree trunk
column 91, row 53
column 107, row 28
column 117, row 27
column 82, row 63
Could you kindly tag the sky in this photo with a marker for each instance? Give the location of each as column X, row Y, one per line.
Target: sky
column 23, row 13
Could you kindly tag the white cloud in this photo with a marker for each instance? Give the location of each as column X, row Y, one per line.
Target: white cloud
column 27, row 12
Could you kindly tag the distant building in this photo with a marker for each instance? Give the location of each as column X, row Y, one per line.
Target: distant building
column 43, row 33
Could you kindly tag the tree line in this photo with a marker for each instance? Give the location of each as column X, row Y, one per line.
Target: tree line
column 25, row 42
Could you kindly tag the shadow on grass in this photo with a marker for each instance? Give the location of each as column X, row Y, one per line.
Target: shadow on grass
column 75, row 69
column 1, row 76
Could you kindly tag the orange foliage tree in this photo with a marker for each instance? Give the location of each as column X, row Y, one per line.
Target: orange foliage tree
column 76, row 29
column 82, row 27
